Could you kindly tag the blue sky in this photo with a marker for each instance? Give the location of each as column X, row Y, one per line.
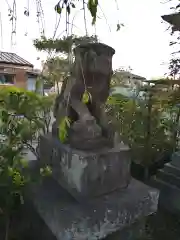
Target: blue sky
column 143, row 43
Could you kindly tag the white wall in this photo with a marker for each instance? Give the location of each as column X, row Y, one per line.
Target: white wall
column 31, row 84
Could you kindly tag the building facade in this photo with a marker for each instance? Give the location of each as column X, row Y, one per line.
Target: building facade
column 16, row 71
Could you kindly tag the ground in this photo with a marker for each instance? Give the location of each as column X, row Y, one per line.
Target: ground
column 162, row 226
column 159, row 226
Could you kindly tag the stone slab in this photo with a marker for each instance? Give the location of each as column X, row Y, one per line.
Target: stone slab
column 134, row 232
column 68, row 219
column 171, row 169
column 168, row 177
column 175, row 159
column 86, row 174
column 167, row 180
column 169, row 198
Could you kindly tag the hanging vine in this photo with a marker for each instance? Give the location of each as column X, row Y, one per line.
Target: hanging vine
column 13, row 18
column 91, row 5
column 62, row 7
column 40, row 17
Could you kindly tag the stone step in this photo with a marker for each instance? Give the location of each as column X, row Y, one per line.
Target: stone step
column 170, row 168
column 168, row 178
column 160, row 184
column 175, row 159
column 169, row 198
column 68, row 219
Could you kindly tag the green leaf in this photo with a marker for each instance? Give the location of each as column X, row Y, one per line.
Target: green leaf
column 57, row 8
column 46, row 171
column 68, row 122
column 118, row 27
column 10, row 171
column 92, row 6
column 4, row 116
column 17, row 178
column 68, row 9
column 86, row 97
column 65, row 122
column 24, row 163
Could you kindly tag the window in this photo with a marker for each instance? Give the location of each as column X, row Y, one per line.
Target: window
column 31, row 84
column 6, row 79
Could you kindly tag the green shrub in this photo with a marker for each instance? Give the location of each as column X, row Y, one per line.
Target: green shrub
column 20, row 120
column 144, row 125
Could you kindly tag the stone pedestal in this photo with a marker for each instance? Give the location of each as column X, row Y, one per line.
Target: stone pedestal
column 86, row 175
column 120, row 211
column 114, row 202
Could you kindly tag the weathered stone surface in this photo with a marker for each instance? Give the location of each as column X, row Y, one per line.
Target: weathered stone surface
column 89, row 127
column 134, row 232
column 175, row 160
column 68, row 219
column 86, row 174
column 169, row 198
column 167, row 180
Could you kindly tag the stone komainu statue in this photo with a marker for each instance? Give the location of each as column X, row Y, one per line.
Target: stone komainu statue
column 91, row 73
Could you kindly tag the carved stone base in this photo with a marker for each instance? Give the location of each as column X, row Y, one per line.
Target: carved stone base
column 118, row 211
column 86, row 174
column 87, row 136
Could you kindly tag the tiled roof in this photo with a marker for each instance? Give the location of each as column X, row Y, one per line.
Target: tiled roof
column 172, row 19
column 12, row 58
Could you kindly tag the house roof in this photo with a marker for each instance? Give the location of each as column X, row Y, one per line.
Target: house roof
column 172, row 19
column 130, row 75
column 34, row 72
column 165, row 81
column 13, row 58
